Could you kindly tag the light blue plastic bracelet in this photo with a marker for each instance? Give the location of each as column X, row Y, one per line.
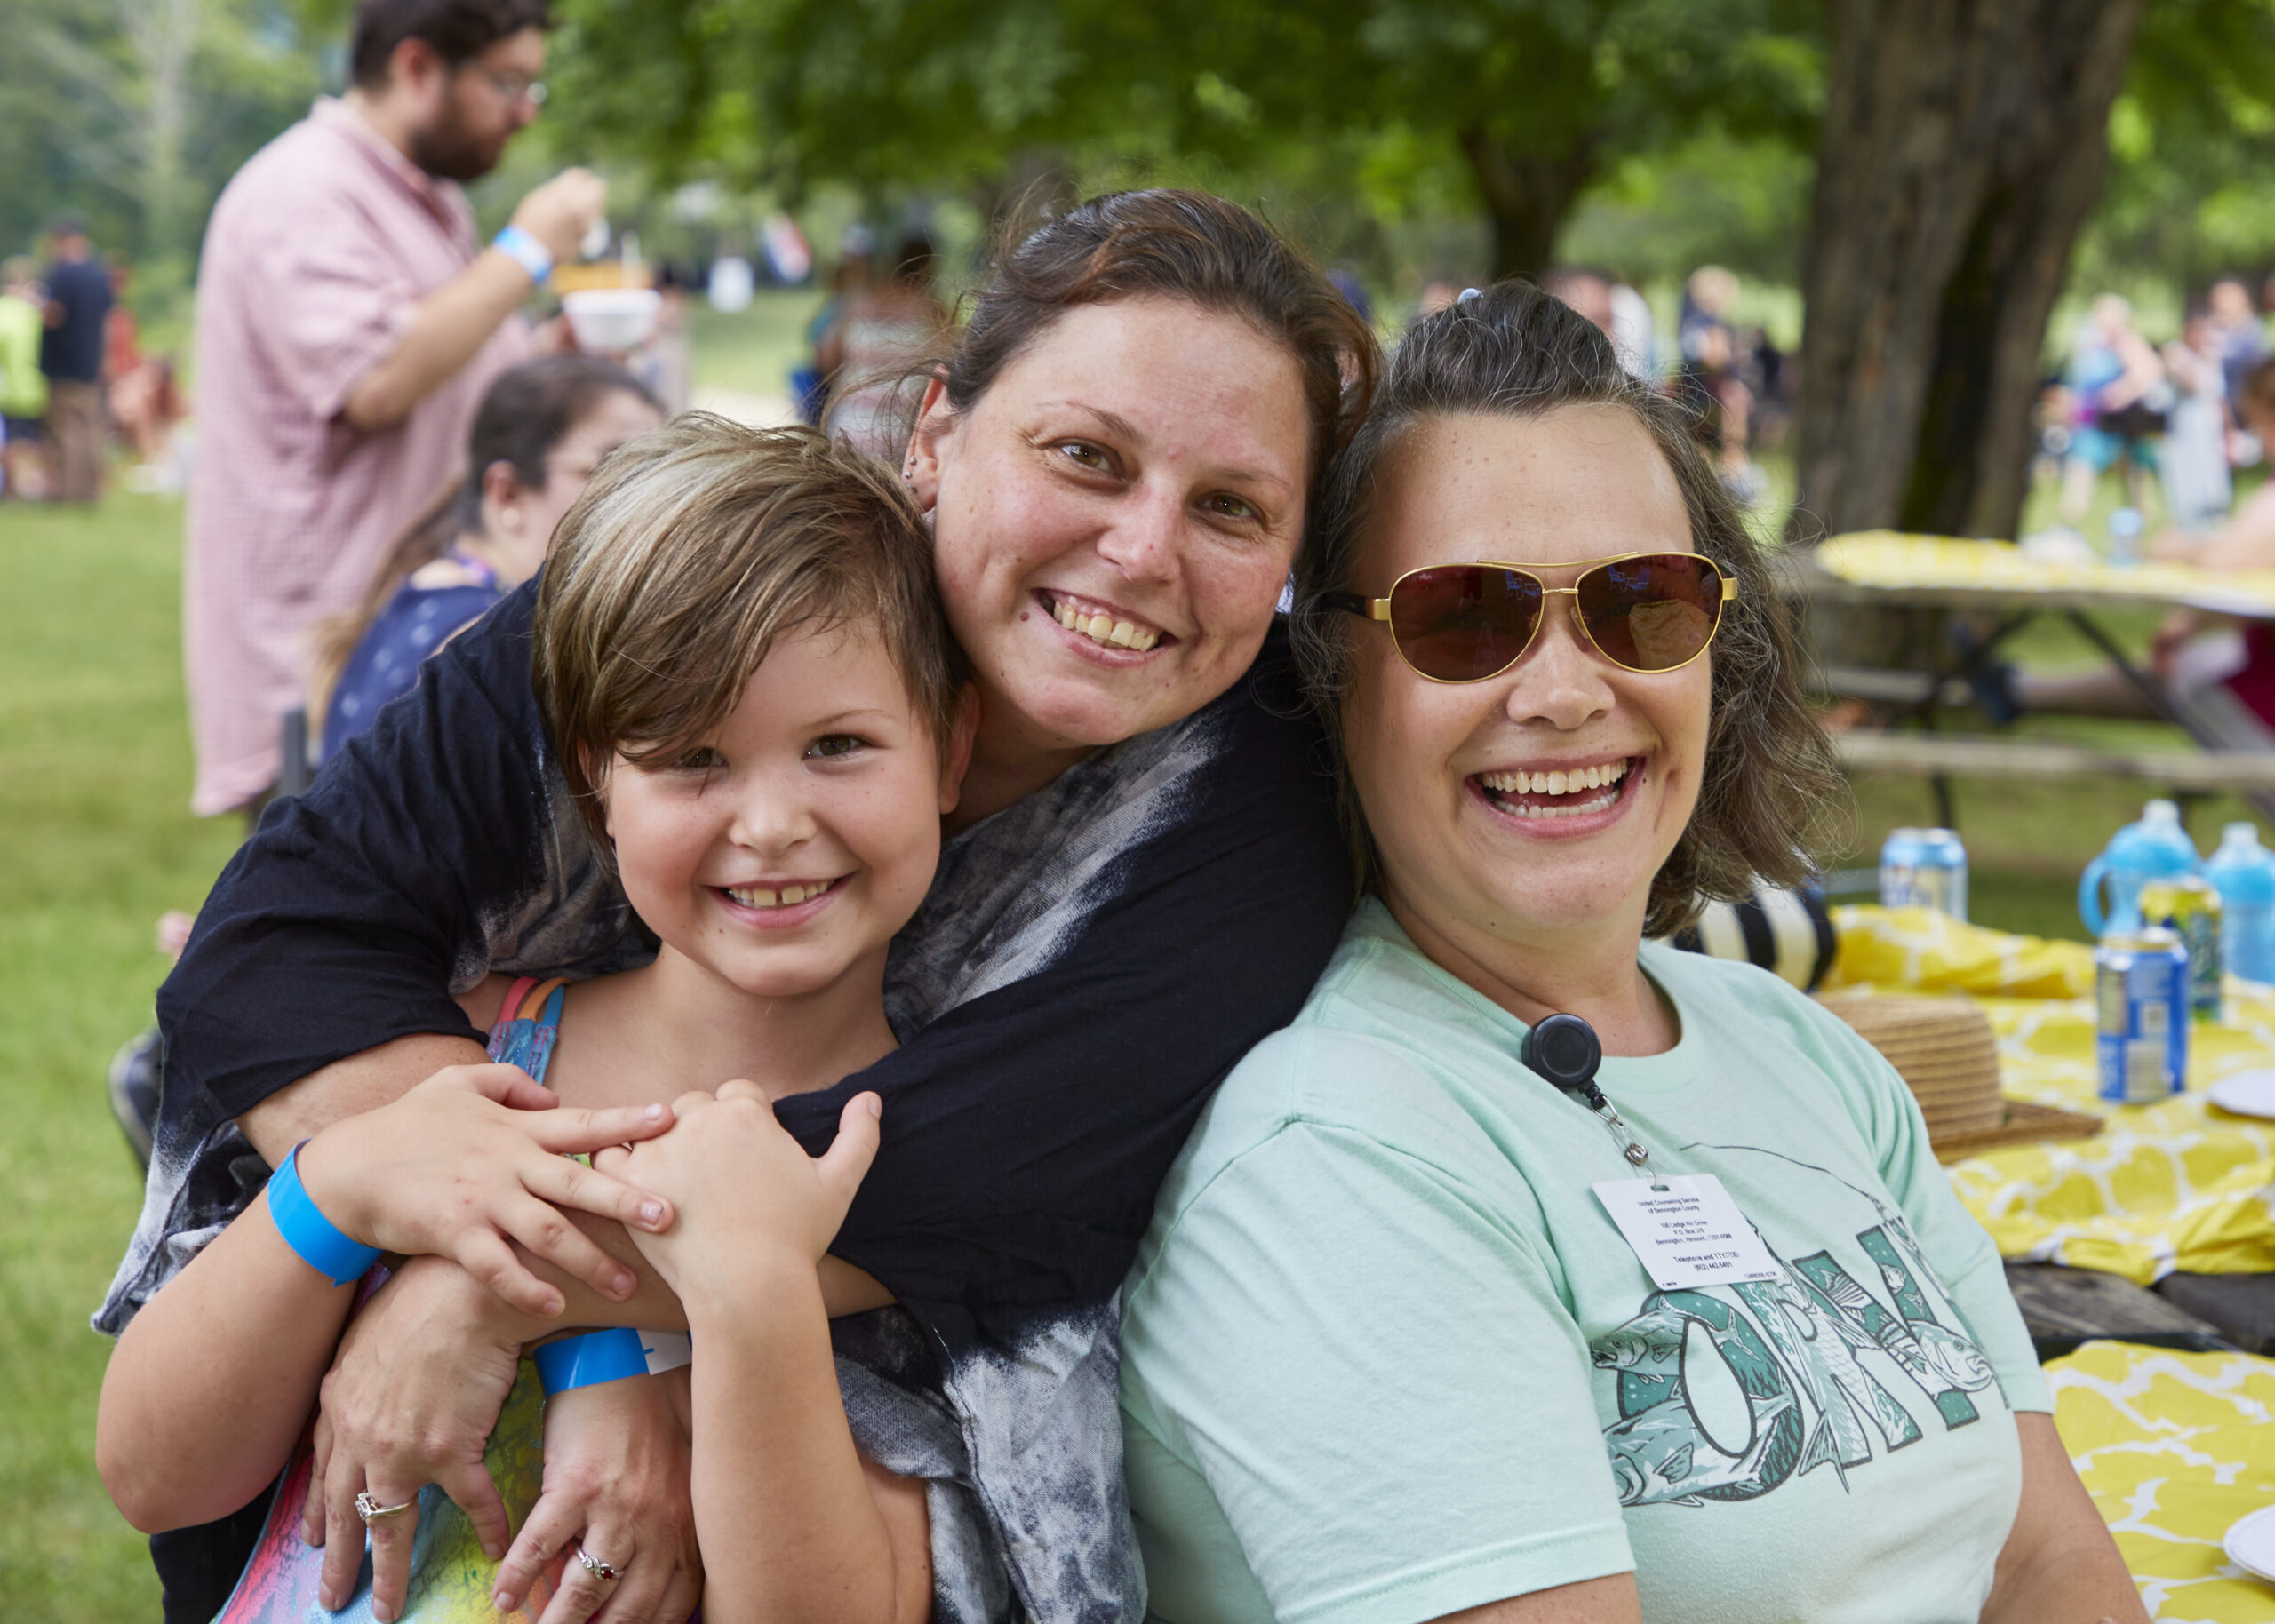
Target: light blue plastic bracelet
column 339, row 1258
column 525, row 250
column 589, row 1360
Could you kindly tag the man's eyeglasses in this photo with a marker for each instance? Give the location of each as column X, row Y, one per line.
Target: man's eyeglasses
column 1464, row 622
column 512, row 88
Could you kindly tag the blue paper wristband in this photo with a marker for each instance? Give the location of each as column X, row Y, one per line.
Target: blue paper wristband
column 589, row 1360
column 339, row 1258
column 525, row 250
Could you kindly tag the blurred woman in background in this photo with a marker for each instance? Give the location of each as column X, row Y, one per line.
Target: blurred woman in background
column 541, row 430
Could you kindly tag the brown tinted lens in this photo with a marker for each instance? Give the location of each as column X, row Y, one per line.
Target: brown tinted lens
column 1652, row 613
column 1463, row 623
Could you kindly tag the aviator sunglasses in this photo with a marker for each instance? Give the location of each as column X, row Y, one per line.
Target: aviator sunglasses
column 1464, row 622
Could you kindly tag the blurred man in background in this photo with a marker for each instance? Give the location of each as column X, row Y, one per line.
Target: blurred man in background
column 347, row 323
column 71, row 355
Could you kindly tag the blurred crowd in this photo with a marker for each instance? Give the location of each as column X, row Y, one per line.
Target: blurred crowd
column 2174, row 421
column 74, row 379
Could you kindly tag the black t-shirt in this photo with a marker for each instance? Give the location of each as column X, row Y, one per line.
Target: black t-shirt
column 1087, row 966
column 74, row 351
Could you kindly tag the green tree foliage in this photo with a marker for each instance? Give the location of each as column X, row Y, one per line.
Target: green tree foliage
column 1653, row 217
column 2192, row 186
column 1523, row 103
column 134, row 113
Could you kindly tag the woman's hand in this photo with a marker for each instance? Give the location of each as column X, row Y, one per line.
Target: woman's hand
column 413, row 1395
column 471, row 1157
column 742, row 1184
column 617, row 1469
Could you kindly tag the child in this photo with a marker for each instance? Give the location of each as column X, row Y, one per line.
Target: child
column 540, row 430
column 751, row 688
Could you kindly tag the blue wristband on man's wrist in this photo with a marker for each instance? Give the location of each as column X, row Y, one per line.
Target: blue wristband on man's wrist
column 525, row 250
column 589, row 1360
column 339, row 1258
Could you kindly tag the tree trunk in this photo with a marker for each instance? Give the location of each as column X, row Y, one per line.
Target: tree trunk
column 1972, row 466
column 1964, row 143
column 1527, row 197
column 163, row 34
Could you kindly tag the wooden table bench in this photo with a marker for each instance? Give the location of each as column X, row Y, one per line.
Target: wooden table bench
column 1980, row 756
column 1920, row 696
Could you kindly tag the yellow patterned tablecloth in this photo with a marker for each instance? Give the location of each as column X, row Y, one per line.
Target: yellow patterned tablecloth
column 2176, row 1185
column 2175, row 1448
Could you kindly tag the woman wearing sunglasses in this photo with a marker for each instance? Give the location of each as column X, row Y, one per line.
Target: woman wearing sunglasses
column 1701, row 1333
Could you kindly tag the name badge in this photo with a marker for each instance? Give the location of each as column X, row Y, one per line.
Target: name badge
column 1687, row 1232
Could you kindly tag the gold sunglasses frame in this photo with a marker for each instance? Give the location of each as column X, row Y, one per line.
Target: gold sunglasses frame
column 1378, row 609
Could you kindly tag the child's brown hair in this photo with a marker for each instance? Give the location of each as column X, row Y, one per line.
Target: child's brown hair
column 692, row 550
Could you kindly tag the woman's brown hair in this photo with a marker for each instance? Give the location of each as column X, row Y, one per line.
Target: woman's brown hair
column 693, row 550
column 526, row 413
column 1771, row 789
column 1180, row 245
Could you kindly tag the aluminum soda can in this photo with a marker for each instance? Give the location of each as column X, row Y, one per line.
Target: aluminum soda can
column 1900, row 857
column 2189, row 907
column 2141, row 1015
column 1941, row 880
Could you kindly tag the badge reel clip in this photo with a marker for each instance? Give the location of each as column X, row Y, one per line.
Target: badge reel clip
column 1565, row 1049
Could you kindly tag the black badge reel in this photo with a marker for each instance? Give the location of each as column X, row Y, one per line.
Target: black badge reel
column 1565, row 1049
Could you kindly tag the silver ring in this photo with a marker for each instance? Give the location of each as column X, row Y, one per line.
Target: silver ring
column 372, row 1511
column 606, row 1572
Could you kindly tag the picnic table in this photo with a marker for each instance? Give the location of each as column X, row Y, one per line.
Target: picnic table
column 2173, row 1446
column 2177, row 1184
column 2002, row 581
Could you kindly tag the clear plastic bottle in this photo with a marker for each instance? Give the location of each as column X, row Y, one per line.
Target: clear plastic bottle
column 2244, row 872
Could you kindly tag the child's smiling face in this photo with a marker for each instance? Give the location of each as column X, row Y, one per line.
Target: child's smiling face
column 792, row 844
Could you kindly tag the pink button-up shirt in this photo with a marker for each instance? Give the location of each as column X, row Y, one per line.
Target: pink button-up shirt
column 315, row 254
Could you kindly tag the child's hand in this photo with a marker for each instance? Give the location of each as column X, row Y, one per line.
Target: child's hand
column 475, row 1155
column 743, row 1186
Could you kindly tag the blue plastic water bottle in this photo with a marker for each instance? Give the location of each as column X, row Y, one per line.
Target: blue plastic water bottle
column 2243, row 871
column 2157, row 848
column 2125, row 527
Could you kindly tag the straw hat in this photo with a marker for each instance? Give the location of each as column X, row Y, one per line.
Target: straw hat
column 1943, row 1049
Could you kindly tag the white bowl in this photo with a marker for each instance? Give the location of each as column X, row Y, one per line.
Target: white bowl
column 611, row 318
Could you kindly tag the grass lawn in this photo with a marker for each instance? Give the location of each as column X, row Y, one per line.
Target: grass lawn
column 751, row 351
column 94, row 776
column 94, row 784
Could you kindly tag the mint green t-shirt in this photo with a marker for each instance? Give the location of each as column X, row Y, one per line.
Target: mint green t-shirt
column 1386, row 1356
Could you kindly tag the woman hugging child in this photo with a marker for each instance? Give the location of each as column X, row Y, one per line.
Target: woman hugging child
column 744, row 666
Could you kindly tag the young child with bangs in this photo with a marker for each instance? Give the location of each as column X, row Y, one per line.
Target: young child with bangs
column 746, row 674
